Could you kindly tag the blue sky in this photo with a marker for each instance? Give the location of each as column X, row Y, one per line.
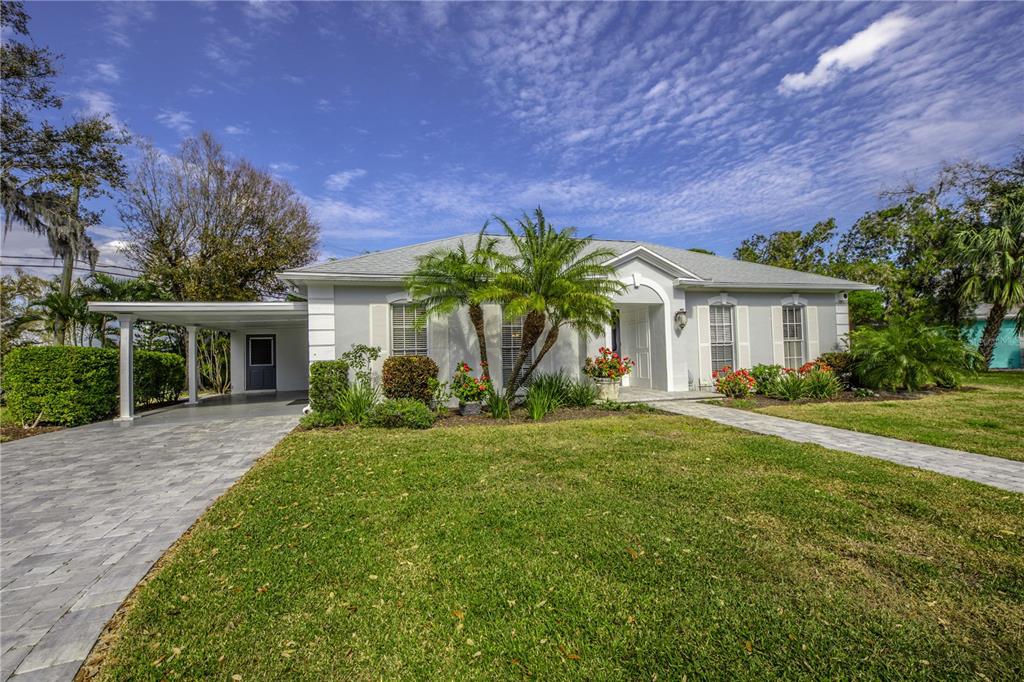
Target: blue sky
column 685, row 124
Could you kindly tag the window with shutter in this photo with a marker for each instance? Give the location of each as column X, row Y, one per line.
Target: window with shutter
column 406, row 337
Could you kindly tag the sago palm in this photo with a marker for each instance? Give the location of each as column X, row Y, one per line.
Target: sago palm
column 446, row 280
column 552, row 279
column 996, row 251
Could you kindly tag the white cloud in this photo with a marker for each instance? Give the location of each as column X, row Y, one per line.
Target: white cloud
column 228, row 51
column 266, row 11
column 236, row 130
column 340, row 216
column 105, row 71
column 97, row 103
column 121, row 18
column 855, row 53
column 178, row 121
column 283, row 167
column 336, row 182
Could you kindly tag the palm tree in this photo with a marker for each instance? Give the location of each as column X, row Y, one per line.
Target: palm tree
column 61, row 314
column 103, row 287
column 446, row 280
column 553, row 279
column 996, row 250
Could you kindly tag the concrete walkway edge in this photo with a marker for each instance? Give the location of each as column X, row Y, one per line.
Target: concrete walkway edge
column 994, row 471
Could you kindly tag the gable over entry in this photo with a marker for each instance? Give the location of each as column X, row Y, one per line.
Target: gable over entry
column 241, row 319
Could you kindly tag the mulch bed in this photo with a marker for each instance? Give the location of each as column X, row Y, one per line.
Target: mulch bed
column 9, row 433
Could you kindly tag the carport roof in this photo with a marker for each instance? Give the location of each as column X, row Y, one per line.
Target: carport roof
column 226, row 316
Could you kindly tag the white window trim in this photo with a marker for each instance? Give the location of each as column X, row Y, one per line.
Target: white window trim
column 404, row 301
column 722, row 299
column 794, row 300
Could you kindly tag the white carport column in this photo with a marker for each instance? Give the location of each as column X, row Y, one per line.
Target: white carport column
column 127, row 370
column 192, row 364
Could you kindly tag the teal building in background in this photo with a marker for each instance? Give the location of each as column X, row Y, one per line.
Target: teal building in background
column 1009, row 350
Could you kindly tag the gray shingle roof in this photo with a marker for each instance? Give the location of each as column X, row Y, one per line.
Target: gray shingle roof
column 402, row 260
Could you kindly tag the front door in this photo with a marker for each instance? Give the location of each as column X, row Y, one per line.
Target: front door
column 636, row 344
column 260, row 363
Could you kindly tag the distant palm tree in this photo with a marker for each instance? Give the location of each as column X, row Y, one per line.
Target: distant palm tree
column 61, row 315
column 103, row 287
column 446, row 280
column 996, row 250
column 553, row 279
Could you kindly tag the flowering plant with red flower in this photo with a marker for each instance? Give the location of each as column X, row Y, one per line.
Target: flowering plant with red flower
column 733, row 383
column 468, row 388
column 818, row 364
column 608, row 365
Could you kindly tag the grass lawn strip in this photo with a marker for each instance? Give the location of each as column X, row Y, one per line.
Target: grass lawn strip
column 614, row 548
column 986, row 417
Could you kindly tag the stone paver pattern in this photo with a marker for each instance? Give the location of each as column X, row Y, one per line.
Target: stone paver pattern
column 87, row 511
column 995, row 471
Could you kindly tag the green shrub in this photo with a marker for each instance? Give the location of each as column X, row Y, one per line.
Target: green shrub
column 404, row 413
column 583, row 393
column 319, row 420
column 498, row 405
column 557, row 384
column 542, row 398
column 71, row 385
column 408, row 376
column 765, row 377
column 789, row 386
column 327, row 380
column 355, row 401
column 841, row 363
column 822, row 384
column 159, row 377
column 907, row 355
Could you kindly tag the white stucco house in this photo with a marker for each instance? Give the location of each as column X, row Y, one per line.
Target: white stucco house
column 682, row 315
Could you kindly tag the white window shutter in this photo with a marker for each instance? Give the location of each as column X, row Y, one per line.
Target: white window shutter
column 703, row 315
column 742, row 336
column 778, row 348
column 813, row 344
column 437, row 344
column 380, row 335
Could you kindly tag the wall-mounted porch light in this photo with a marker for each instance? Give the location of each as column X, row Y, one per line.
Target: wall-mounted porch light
column 680, row 319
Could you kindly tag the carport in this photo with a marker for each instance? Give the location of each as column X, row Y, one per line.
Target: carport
column 269, row 343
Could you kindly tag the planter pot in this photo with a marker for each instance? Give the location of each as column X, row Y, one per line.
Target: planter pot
column 608, row 389
column 469, row 408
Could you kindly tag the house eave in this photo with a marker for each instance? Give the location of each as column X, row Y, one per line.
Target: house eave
column 785, row 286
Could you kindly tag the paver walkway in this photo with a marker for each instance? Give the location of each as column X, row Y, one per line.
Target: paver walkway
column 995, row 471
column 87, row 511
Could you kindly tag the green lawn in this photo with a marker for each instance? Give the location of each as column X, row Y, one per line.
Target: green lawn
column 629, row 547
column 986, row 417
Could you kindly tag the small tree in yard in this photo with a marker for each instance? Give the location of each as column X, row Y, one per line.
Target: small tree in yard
column 553, row 279
column 446, row 280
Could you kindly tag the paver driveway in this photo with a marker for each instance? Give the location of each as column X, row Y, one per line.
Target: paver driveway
column 87, row 511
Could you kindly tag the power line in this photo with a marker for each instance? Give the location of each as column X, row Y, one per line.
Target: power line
column 50, row 258
column 80, row 269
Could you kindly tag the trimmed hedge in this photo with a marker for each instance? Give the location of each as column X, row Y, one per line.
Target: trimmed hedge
column 408, row 376
column 328, row 379
column 71, row 385
column 405, row 413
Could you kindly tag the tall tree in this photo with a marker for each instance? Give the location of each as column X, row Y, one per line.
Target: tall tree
column 552, row 279
column 793, row 249
column 206, row 226
column 448, row 279
column 47, row 173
